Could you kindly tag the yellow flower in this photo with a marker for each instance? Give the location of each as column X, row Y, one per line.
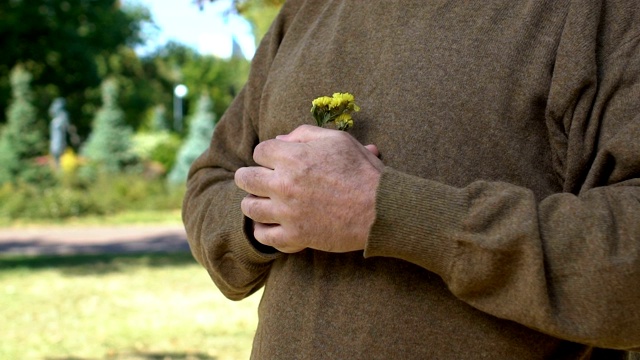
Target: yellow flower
column 344, row 100
column 322, row 101
column 337, row 107
column 344, row 121
column 335, row 103
column 344, row 97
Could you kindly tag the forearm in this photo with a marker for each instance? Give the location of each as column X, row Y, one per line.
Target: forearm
column 216, row 234
column 211, row 210
column 567, row 266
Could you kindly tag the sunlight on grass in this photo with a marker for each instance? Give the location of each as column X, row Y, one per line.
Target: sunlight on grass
column 119, row 307
column 122, row 218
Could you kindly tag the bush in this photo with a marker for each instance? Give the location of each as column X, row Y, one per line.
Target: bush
column 165, row 152
column 131, row 192
column 26, row 201
column 74, row 197
column 157, row 147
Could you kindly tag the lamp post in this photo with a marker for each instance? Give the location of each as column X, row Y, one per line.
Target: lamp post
column 179, row 92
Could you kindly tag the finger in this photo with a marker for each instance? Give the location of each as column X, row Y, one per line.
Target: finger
column 307, row 133
column 274, row 236
column 254, row 180
column 259, row 209
column 270, row 153
column 373, row 149
column 374, row 160
column 268, row 234
column 372, row 154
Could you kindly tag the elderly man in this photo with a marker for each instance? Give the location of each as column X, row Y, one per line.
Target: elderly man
column 486, row 203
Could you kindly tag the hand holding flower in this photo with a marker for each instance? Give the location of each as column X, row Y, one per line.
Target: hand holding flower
column 315, row 188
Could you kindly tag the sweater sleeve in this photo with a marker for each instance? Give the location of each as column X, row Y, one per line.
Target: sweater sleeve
column 567, row 265
column 216, row 228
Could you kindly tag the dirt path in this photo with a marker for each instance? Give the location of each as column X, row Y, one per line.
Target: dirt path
column 92, row 240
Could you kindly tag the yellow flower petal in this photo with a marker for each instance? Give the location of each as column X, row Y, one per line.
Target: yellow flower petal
column 322, row 101
column 344, row 121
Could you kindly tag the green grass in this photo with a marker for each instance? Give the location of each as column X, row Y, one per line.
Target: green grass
column 121, row 218
column 146, row 307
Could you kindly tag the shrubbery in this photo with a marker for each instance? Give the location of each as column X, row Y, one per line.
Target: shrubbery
column 157, row 147
column 75, row 197
column 117, row 172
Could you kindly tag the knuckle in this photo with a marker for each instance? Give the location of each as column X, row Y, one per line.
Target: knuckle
column 260, row 147
column 343, row 136
column 287, row 188
column 261, row 151
column 304, row 130
column 304, row 127
column 253, row 209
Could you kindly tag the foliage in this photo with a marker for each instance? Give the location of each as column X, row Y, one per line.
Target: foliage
column 109, row 145
column 60, row 42
column 134, row 307
column 75, row 197
column 23, row 138
column 148, row 83
column 136, row 92
column 175, row 64
column 159, row 122
column 260, row 13
column 157, row 147
column 71, row 45
column 200, row 131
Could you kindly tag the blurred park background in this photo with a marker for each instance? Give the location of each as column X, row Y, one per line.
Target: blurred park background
column 104, row 104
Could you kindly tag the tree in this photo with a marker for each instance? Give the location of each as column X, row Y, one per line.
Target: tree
column 175, row 64
column 260, row 13
column 109, row 147
column 23, row 137
column 59, row 42
column 200, row 130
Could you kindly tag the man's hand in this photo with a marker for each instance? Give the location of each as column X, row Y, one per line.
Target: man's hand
column 315, row 189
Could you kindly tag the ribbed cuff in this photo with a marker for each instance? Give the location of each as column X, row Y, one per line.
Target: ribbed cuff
column 417, row 220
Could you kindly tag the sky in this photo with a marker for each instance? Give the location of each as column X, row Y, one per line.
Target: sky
column 209, row 31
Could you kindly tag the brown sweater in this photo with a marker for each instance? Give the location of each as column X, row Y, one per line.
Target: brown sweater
column 508, row 215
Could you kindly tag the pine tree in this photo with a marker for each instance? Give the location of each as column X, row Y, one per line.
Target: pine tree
column 159, row 121
column 23, row 137
column 200, row 130
column 109, row 146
